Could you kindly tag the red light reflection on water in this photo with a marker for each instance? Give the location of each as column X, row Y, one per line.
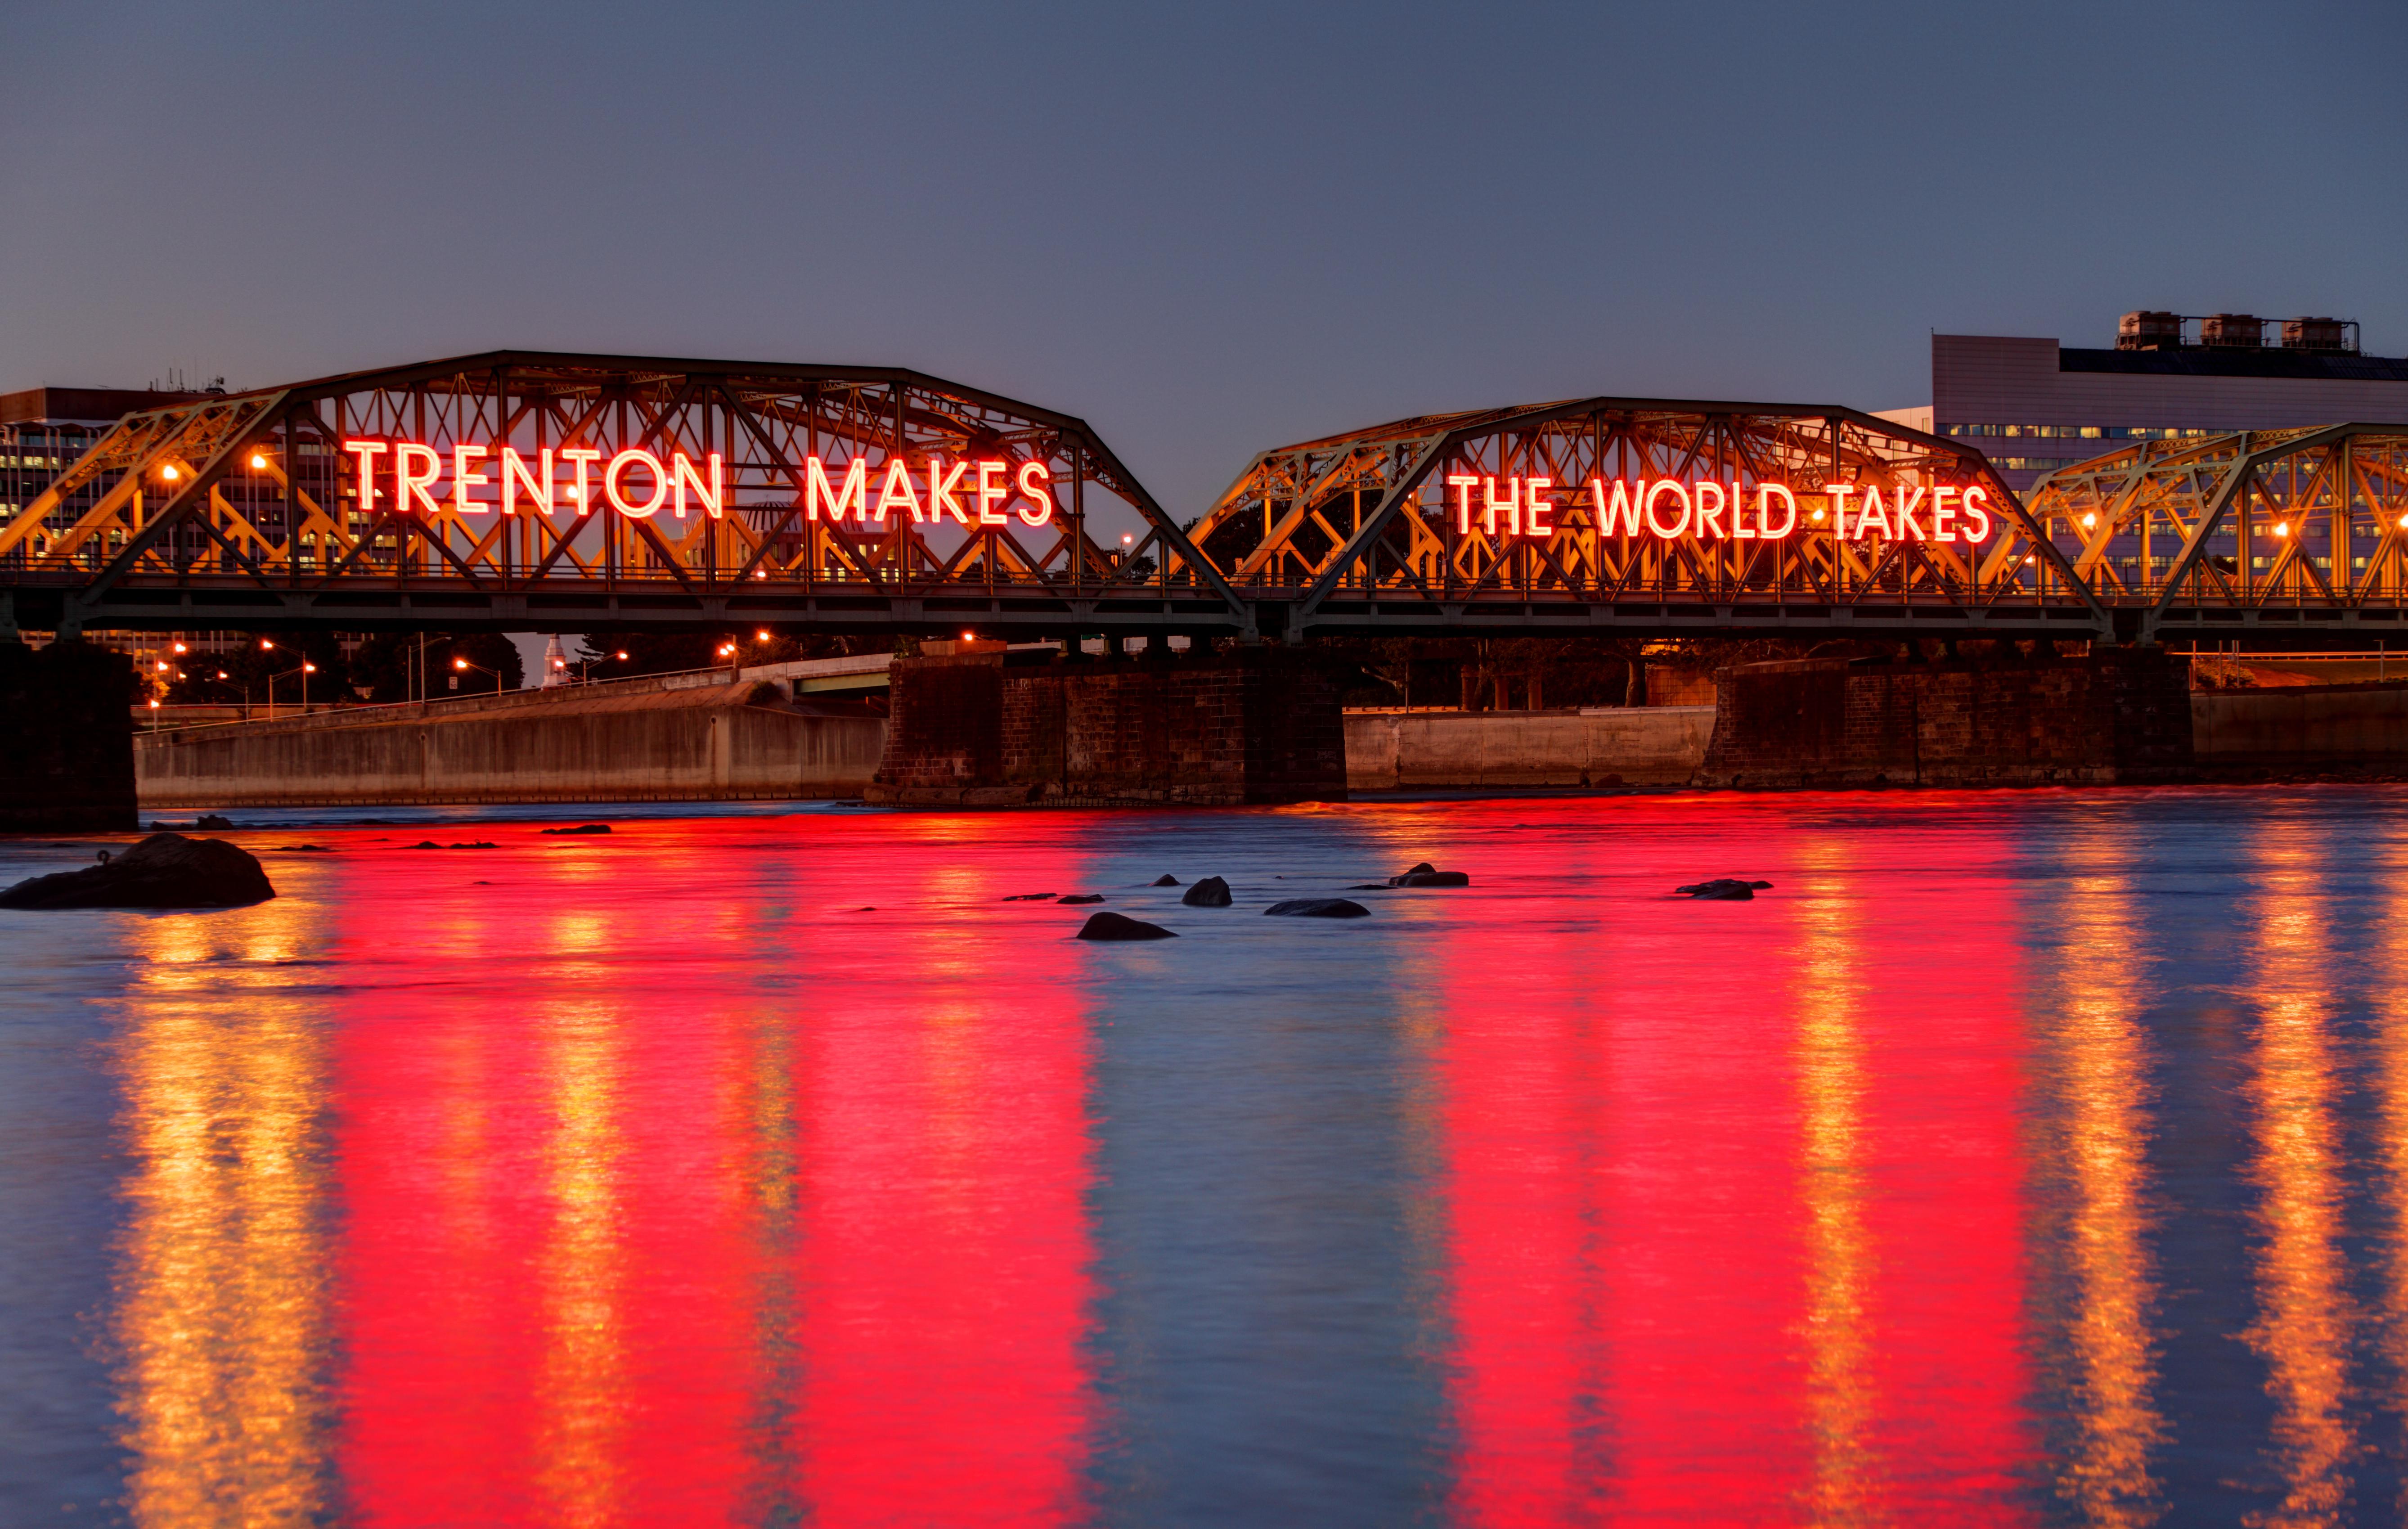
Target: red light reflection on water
column 667, row 1245
column 1734, row 1200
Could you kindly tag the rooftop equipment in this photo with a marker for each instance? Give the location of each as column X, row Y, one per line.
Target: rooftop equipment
column 2320, row 335
column 2237, row 331
column 2148, row 329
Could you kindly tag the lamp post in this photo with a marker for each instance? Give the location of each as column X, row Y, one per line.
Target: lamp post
column 304, row 671
column 461, row 666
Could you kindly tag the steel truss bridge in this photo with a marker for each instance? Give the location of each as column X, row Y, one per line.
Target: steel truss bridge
column 247, row 512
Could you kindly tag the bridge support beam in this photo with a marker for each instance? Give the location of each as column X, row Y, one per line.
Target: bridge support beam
column 1258, row 726
column 2116, row 715
column 67, row 748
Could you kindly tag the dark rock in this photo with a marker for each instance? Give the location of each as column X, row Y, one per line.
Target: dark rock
column 582, row 828
column 1319, row 907
column 1210, row 893
column 1031, row 897
column 1424, row 868
column 1120, row 926
column 1370, row 886
column 426, row 844
column 166, row 870
column 1431, row 879
column 1722, row 890
column 1082, row 898
column 480, row 844
column 304, row 849
column 210, row 820
column 1166, row 882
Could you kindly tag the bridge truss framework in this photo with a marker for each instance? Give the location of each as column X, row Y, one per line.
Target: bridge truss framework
column 240, row 512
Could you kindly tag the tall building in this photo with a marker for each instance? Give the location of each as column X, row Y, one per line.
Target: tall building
column 44, row 430
column 2032, row 405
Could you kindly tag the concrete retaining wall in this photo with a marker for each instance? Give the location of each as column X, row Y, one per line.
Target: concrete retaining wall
column 2301, row 725
column 1621, row 746
column 715, row 743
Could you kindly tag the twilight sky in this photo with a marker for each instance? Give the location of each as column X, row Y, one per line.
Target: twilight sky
column 1208, row 229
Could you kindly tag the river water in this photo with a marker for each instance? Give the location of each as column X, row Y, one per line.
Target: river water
column 2020, row 1157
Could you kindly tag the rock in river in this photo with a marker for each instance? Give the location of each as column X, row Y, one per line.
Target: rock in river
column 1422, row 876
column 1722, row 889
column 1081, row 897
column 582, row 828
column 1210, row 893
column 1166, row 882
column 166, row 870
column 1121, row 926
column 1320, row 907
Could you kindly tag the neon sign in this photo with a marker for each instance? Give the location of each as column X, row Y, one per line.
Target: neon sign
column 638, row 484
column 1707, row 509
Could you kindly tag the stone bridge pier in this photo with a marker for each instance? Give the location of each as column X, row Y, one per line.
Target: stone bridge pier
column 67, row 739
column 1023, row 728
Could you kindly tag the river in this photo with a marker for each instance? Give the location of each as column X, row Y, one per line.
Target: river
column 2020, row 1157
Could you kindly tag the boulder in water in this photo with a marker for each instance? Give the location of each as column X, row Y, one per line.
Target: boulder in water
column 1319, row 907
column 166, row 870
column 1166, row 882
column 1421, row 876
column 1121, row 926
column 1031, row 897
column 1724, row 889
column 1210, row 893
column 210, row 820
column 582, row 828
column 1081, row 897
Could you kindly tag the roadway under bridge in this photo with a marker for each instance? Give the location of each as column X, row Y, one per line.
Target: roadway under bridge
column 536, row 491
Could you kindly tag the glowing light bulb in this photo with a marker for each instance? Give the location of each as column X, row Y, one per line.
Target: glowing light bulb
column 2090, row 520
column 169, row 473
column 163, row 668
column 1818, row 517
column 257, row 462
column 459, row 663
column 761, row 636
column 308, row 669
column 622, row 653
column 179, row 647
column 2281, row 529
column 2403, row 523
column 265, row 645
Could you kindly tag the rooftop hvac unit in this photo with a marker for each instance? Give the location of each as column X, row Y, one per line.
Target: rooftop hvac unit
column 2242, row 331
column 2148, row 329
column 2319, row 334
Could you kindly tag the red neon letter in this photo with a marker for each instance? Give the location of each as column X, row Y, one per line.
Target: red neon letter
column 1534, row 522
column 1839, row 492
column 1511, row 504
column 462, row 477
column 714, row 494
column 1974, row 498
column 1037, row 492
column 1462, row 484
column 410, row 488
column 941, row 489
column 368, row 451
column 1873, row 507
column 1623, row 511
column 1764, row 494
column 1708, row 517
column 898, row 490
column 514, row 473
column 854, row 491
column 990, row 492
column 1656, row 491
column 1906, row 508
column 1942, row 518
column 582, row 456
column 614, row 490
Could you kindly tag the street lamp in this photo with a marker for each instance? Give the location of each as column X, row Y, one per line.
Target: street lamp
column 461, row 666
column 304, row 671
